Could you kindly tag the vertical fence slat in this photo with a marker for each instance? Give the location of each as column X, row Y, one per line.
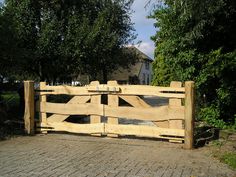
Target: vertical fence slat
column 113, row 100
column 189, row 114
column 29, row 107
column 95, row 99
column 42, row 98
column 175, row 102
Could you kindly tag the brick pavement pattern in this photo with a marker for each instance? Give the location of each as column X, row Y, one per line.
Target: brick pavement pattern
column 87, row 156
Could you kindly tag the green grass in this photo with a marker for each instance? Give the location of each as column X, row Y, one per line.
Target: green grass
column 229, row 158
column 11, row 98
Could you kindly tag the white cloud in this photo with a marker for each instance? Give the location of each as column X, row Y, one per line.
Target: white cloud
column 147, row 48
column 140, row 14
column 144, row 27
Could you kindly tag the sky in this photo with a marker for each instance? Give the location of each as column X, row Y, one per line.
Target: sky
column 144, row 27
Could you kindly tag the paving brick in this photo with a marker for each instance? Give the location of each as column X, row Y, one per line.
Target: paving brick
column 87, row 156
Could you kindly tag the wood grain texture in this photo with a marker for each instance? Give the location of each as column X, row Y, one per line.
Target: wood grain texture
column 153, row 114
column 152, row 91
column 96, row 99
column 175, row 102
column 123, row 90
column 42, row 99
column 74, row 128
column 29, row 107
column 189, row 114
column 144, row 131
column 74, row 100
column 113, row 100
column 170, row 116
column 135, row 101
column 72, row 109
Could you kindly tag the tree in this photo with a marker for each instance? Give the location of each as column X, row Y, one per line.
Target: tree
column 63, row 38
column 196, row 41
column 10, row 53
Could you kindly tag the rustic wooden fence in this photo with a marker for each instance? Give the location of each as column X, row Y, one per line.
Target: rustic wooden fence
column 174, row 121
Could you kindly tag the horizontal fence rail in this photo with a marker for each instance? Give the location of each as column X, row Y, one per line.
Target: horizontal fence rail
column 151, row 114
column 167, row 92
column 173, row 122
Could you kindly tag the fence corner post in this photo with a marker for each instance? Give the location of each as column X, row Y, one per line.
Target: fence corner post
column 189, row 114
column 29, row 107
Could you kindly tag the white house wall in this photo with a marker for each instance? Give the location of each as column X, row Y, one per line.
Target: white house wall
column 148, row 73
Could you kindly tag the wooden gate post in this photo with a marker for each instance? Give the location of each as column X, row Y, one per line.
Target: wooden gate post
column 42, row 99
column 95, row 99
column 113, row 100
column 29, row 107
column 189, row 114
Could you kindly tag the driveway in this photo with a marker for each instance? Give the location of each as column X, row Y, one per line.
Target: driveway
column 80, row 156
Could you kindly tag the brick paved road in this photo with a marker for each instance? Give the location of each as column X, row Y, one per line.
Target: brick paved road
column 72, row 155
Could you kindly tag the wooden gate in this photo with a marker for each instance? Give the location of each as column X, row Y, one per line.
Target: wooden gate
column 173, row 121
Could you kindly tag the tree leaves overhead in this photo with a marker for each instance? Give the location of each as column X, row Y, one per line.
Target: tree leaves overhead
column 196, row 41
column 62, row 38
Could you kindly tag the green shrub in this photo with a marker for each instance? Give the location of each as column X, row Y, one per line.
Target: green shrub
column 211, row 116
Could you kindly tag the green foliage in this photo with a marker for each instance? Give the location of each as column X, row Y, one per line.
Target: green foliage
column 60, row 39
column 196, row 42
column 230, row 159
column 211, row 116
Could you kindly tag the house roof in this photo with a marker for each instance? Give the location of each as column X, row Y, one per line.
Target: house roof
column 133, row 70
column 143, row 56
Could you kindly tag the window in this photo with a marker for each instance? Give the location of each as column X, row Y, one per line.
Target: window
column 146, row 65
column 144, row 79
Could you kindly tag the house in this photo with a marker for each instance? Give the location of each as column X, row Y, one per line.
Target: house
column 139, row 73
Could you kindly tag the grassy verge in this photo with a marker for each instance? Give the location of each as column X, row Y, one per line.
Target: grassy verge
column 229, row 158
column 224, row 149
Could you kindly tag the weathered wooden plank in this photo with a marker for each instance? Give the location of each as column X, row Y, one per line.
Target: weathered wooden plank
column 113, row 100
column 104, row 88
column 135, row 101
column 153, row 114
column 123, row 90
column 175, row 102
column 189, row 114
column 64, row 89
column 29, row 107
column 42, row 99
column 74, row 100
column 175, row 141
column 95, row 99
column 162, row 124
column 144, row 131
column 74, row 128
column 152, row 90
column 138, row 102
column 71, row 109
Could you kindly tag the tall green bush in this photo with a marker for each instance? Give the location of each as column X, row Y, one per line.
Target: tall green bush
column 196, row 41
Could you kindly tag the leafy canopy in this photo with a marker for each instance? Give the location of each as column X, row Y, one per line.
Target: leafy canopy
column 196, row 41
column 59, row 39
